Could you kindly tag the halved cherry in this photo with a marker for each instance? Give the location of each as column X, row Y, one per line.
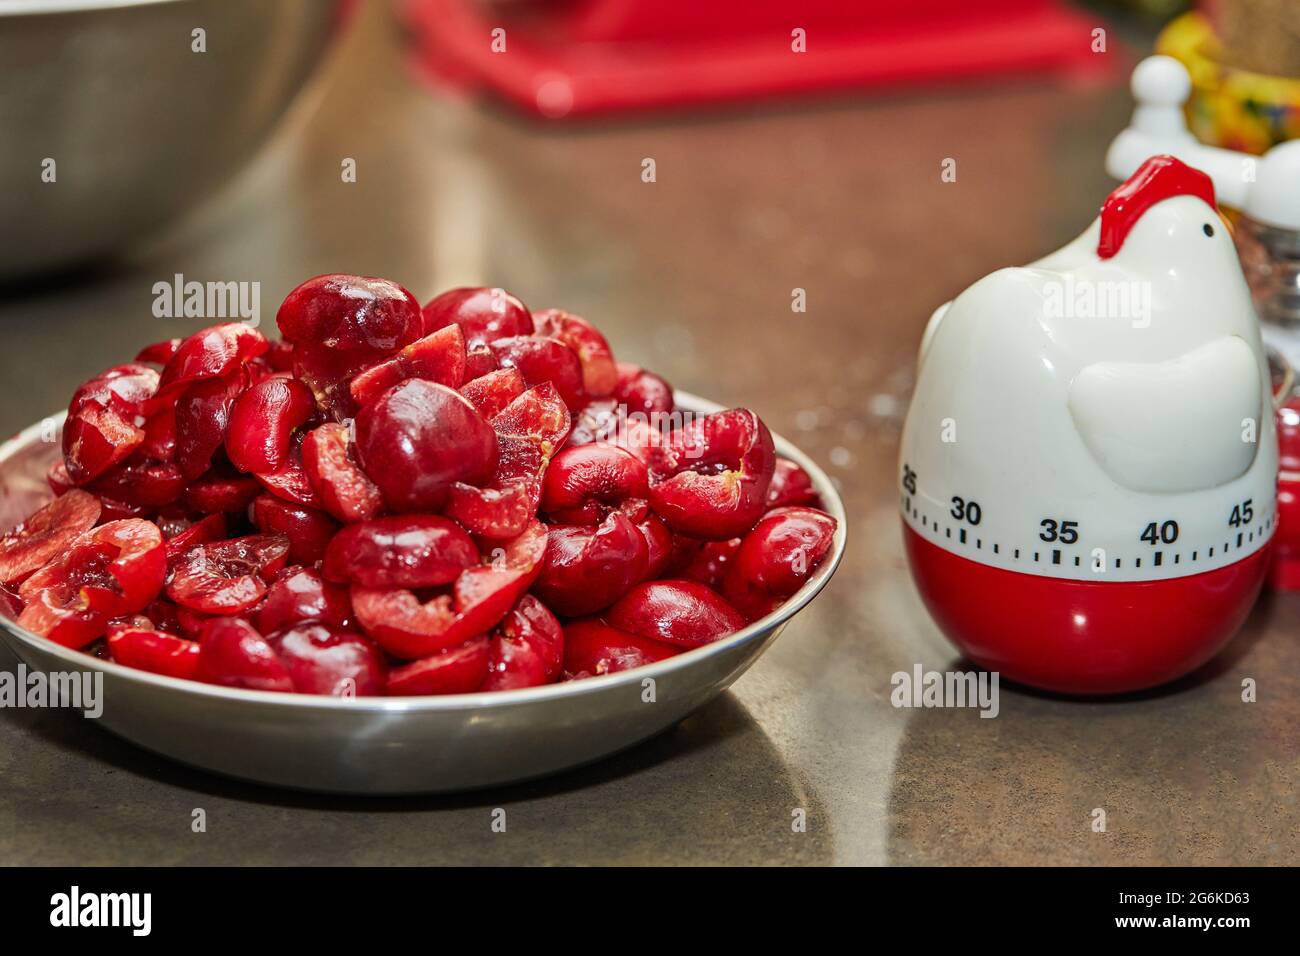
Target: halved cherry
column 495, row 513
column 790, row 486
column 644, row 393
column 263, row 420
column 527, row 648
column 280, row 356
column 291, row 484
column 301, row 594
column 777, row 558
column 453, row 670
column 101, row 429
column 309, row 531
column 46, row 534
column 604, row 421
column 587, row 569
column 117, row 567
column 711, row 562
column 217, row 492
column 202, row 418
column 419, row 437
column 213, row 352
column 110, row 571
column 493, row 392
column 675, row 611
column 227, row 577
column 140, row 482
column 159, row 436
column 210, row 528
column 322, row 659
column 484, row 315
column 159, row 353
column 410, row 628
column 402, row 551
column 479, row 361
column 344, row 489
column 599, row 373
column 540, row 359
column 339, row 325
column 592, row 648
column 438, row 357
column 233, row 654
column 529, row 432
column 709, row 479
column 659, row 545
column 158, row 652
column 585, row 482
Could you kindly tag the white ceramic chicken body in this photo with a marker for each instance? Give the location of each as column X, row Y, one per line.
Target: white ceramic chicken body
column 1099, row 417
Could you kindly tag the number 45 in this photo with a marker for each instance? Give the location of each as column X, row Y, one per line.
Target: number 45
column 1242, row 514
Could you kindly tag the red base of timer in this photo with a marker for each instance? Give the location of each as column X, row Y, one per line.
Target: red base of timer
column 1083, row 637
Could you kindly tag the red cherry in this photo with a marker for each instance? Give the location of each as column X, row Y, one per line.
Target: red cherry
column 454, row 670
column 659, row 545
column 709, row 479
column 583, row 483
column 215, row 493
column 233, row 654
column 409, row 628
column 438, row 357
column 403, row 551
column 340, row 325
column 484, row 315
column 592, row 648
column 527, row 649
column 599, row 373
column 262, row 421
column 419, row 437
column 777, row 558
column 46, row 534
column 155, row 651
column 109, row 571
column 675, row 611
column 790, row 486
column 528, row 432
column 322, row 659
column 202, row 417
column 212, row 353
column 210, row 528
column 344, row 489
column 301, row 594
column 159, row 353
column 227, row 577
column 587, row 569
column 643, row 392
column 493, row 392
column 710, row 562
column 141, row 483
column 309, row 531
column 101, row 429
column 542, row 359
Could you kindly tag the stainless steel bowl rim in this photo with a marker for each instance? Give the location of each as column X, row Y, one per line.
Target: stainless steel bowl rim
column 39, row 7
column 831, row 501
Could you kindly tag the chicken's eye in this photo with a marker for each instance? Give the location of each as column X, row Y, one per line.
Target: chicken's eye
column 1207, row 229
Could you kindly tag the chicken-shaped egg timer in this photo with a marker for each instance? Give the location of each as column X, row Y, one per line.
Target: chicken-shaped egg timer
column 1088, row 467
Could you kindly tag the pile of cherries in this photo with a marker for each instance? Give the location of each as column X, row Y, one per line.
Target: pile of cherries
column 467, row 496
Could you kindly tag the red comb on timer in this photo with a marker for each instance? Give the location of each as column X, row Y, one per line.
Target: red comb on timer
column 573, row 57
column 1159, row 178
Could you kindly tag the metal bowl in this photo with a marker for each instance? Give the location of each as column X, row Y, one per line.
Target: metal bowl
column 397, row 744
column 139, row 127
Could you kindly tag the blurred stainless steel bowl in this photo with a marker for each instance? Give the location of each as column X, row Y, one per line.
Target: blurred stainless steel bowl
column 139, row 126
column 393, row 744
